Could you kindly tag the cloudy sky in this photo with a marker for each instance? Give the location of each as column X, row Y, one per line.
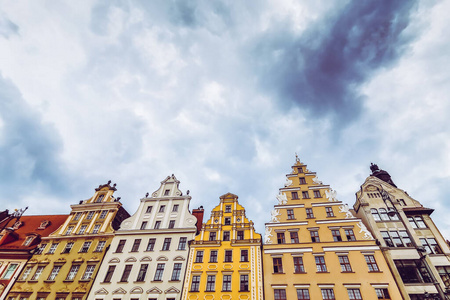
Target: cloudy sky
column 222, row 94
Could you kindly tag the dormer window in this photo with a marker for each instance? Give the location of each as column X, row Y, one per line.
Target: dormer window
column 90, row 215
column 44, row 224
column 100, row 198
column 17, row 225
column 28, row 240
column 77, row 216
column 166, row 192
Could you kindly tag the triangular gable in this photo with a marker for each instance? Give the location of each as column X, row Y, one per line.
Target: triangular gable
column 228, row 195
column 119, row 291
column 179, row 258
column 101, row 291
column 130, row 259
column 154, row 290
column 136, row 290
column 172, row 290
column 146, row 258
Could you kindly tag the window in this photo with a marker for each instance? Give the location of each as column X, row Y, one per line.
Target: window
column 444, row 272
column 277, row 265
column 171, row 224
column 228, row 255
column 53, row 248
column 405, row 237
column 162, row 208
column 227, row 221
column 166, row 245
column 354, row 294
column 387, row 239
column 103, row 214
column 85, row 247
column 309, row 213
column 100, row 198
column 28, row 240
column 305, row 195
column 69, row 230
column 157, row 225
column 212, row 236
column 120, row 246
column 279, row 294
column 294, row 195
column 159, row 272
column 136, row 244
column 329, row 211
column 68, row 248
column 371, row 263
column 298, row 265
column 82, row 229
column 327, row 294
column 166, row 192
column 320, row 264
column 317, row 194
column 383, row 294
column 240, row 235
column 77, row 216
column 37, row 273
column 40, row 249
column 303, row 294
column 396, row 238
column 142, row 272
column 294, row 237
column 109, row 273
column 302, row 180
column 383, row 214
column 144, row 225
column 419, row 221
column 90, row 215
column 226, row 235
column 280, row 238
column 73, row 272
column 26, row 273
column 350, row 235
column 176, row 272
column 213, row 256
column 96, row 228
column 227, row 208
column 149, row 209
column 431, row 246
column 210, row 283
column 126, row 273
column 244, row 255
column 244, row 283
column 402, row 202
column 290, row 214
column 150, row 245
column 199, row 256
column 314, row 236
column 54, row 273
column 336, row 233
column 226, row 283
column 300, row 170
column 175, row 208
column 195, row 285
column 375, row 214
column 345, row 264
column 182, row 243
column 412, row 271
column 88, row 273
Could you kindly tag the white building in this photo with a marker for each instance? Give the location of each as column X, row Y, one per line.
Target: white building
column 148, row 255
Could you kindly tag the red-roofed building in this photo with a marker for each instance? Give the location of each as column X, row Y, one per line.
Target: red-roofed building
column 18, row 239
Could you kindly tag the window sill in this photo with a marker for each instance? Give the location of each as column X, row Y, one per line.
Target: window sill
column 375, row 271
column 32, row 281
column 137, row 281
column 210, row 291
column 347, row 272
column 278, row 273
column 49, row 281
column 243, row 291
column 299, row 272
column 174, row 280
column 194, row 291
column 68, row 280
column 84, row 280
column 156, row 281
column 243, row 261
column 323, row 272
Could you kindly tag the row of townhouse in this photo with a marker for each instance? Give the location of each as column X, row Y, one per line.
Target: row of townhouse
column 314, row 247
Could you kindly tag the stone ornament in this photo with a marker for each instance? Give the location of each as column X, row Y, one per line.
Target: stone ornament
column 274, row 216
column 331, row 195
column 363, row 229
column 267, row 235
column 288, row 183
column 282, row 199
column 345, row 209
column 316, row 180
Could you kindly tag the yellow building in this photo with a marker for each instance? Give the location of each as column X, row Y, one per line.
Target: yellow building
column 314, row 247
column 225, row 258
column 66, row 261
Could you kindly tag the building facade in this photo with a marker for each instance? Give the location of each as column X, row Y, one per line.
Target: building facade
column 417, row 253
column 148, row 255
column 225, row 258
column 18, row 239
column 315, row 248
column 66, row 261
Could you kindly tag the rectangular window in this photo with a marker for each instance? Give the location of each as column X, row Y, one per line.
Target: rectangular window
column 37, row 273
column 103, row 214
column 53, row 248
column 317, row 194
column 290, row 214
column 305, row 195
column 142, row 272
column 182, row 243
column 277, row 265
column 244, row 255
column 210, row 283
column 136, row 244
column 431, row 246
column 299, row 170
column 396, row 238
column 162, row 208
column 419, row 221
column 144, row 225
column 88, row 273
column 227, row 208
column 68, row 248
column 244, row 283
column 294, row 237
column 90, row 215
column 336, row 233
column 195, row 284
column 151, row 245
column 302, row 180
column 294, row 195
column 199, row 256
column 171, row 224
column 109, row 273
column 226, row 235
column 227, row 221
column 383, row 294
column 314, row 236
column 327, row 294
column 166, row 245
column 77, row 216
column 85, row 247
column 303, row 294
column 226, row 283
column 298, row 265
column 26, row 273
column 40, row 249
column 329, row 211
column 309, row 213
column 176, row 272
column 126, row 273
column 166, row 192
column 280, row 238
column 96, row 228
column 82, row 229
column 175, row 208
column 212, row 236
column 213, row 256
column 350, row 235
column 444, row 272
column 320, row 264
column 149, row 209
column 345, row 264
column 99, row 198
column 412, row 271
column 371, row 263
column 228, row 255
column 387, row 239
column 157, row 225
column 69, row 230
column 54, row 273
column 279, row 294
column 405, row 238
column 240, row 235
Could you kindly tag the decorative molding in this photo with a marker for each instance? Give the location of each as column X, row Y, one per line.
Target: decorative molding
column 345, row 209
column 282, row 199
column 274, row 216
column 331, row 195
column 267, row 235
column 363, row 229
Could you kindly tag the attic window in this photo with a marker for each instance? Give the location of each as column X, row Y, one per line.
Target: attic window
column 44, row 224
column 100, row 198
column 166, row 192
column 28, row 240
column 17, row 225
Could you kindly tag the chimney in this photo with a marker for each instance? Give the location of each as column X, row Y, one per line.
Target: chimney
column 198, row 213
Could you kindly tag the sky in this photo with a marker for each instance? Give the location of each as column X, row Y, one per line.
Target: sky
column 222, row 94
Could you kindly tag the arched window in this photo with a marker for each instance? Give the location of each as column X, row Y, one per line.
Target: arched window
column 375, row 214
column 383, row 214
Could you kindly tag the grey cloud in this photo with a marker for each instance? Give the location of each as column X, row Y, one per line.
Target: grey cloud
column 7, row 27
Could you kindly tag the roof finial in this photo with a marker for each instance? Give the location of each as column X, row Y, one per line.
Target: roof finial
column 296, row 157
column 146, row 195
